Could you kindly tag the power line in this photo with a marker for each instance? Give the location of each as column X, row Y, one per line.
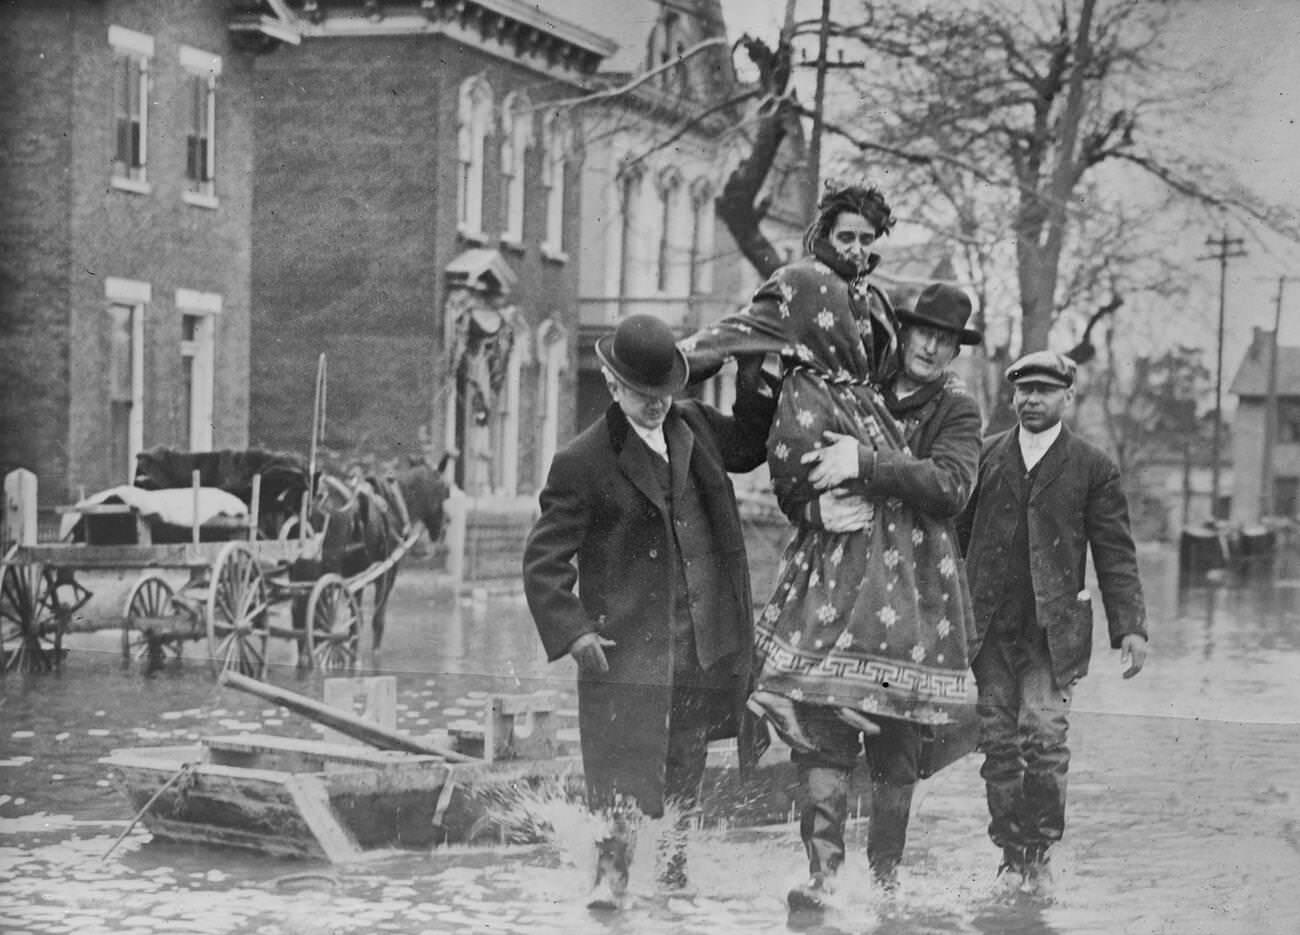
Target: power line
column 1228, row 248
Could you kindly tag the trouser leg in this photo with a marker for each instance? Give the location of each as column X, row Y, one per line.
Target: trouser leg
column 683, row 778
column 998, row 680
column 1044, row 721
column 823, row 812
column 892, row 755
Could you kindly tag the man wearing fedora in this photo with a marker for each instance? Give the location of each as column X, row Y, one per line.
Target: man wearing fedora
column 1043, row 498
column 660, row 624
column 935, row 475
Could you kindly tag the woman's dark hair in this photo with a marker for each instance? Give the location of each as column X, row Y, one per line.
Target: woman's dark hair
column 838, row 198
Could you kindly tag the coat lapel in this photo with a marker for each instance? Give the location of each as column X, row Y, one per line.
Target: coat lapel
column 681, row 445
column 633, row 457
column 1009, row 467
column 1053, row 463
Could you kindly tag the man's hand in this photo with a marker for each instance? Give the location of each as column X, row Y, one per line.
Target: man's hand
column 588, row 651
column 842, row 511
column 1133, row 654
column 836, row 463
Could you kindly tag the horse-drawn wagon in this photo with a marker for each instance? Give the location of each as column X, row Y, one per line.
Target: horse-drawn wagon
column 222, row 540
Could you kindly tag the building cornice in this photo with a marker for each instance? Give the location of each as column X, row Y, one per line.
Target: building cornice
column 510, row 29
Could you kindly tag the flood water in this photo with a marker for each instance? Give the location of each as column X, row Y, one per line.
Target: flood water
column 1184, row 811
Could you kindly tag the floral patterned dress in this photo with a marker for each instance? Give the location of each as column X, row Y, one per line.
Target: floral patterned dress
column 879, row 619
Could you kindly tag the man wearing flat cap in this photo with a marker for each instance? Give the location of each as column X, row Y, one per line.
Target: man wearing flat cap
column 1043, row 498
column 660, row 623
column 935, row 476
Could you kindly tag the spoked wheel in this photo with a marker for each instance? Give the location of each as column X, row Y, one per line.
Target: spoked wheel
column 31, row 624
column 237, row 612
column 333, row 625
column 144, row 638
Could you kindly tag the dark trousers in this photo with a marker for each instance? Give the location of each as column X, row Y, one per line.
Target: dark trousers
column 824, row 777
column 1023, row 723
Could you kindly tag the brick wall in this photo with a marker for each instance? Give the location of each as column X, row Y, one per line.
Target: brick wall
column 73, row 230
column 354, row 225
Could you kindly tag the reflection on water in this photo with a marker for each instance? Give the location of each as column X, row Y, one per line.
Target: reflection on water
column 1184, row 801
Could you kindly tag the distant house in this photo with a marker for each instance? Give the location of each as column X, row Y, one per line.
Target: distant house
column 416, row 220
column 126, row 174
column 1251, row 387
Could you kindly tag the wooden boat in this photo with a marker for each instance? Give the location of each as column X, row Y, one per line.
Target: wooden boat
column 312, row 799
column 337, row 800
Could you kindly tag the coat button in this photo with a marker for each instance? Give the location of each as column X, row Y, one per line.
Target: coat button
column 654, row 553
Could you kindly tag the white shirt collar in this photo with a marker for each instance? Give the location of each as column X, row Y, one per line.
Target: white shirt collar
column 653, row 438
column 1033, row 445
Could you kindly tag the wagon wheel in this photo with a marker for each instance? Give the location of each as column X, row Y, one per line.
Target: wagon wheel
column 150, row 597
column 31, row 620
column 237, row 612
column 333, row 625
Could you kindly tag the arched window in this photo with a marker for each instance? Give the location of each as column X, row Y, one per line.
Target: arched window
column 703, row 220
column 556, row 139
column 670, row 192
column 629, row 182
column 516, row 138
column 473, row 121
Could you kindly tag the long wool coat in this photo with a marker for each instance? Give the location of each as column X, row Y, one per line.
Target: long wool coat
column 877, row 619
column 1076, row 502
column 602, row 506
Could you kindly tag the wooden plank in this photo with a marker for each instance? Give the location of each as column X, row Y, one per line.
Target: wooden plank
column 320, row 749
column 196, row 833
column 313, row 802
column 363, row 730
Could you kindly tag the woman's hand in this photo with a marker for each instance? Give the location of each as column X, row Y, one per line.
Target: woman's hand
column 835, row 463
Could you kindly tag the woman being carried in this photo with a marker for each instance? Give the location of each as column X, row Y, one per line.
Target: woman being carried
column 868, row 627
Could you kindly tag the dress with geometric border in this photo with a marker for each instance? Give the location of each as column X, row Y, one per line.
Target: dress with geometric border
column 878, row 619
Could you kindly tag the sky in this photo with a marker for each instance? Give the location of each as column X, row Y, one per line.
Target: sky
column 1254, row 43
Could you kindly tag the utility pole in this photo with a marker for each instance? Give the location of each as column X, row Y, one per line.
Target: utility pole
column 1228, row 248
column 819, row 99
column 1267, row 499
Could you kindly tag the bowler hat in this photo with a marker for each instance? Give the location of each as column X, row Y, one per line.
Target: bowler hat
column 943, row 306
column 643, row 353
column 1043, row 367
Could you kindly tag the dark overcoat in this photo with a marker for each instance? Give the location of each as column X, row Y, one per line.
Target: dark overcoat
column 602, row 506
column 1076, row 503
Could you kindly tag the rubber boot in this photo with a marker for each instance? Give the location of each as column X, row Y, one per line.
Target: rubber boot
column 824, row 810
column 891, row 805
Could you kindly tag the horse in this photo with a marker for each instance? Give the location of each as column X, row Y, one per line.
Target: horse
column 423, row 492
column 361, row 525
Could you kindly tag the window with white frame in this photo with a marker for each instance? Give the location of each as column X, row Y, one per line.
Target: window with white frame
column 670, row 189
column 198, row 312
column 702, row 227
column 516, row 138
column 630, row 180
column 124, row 371
column 474, row 121
column 202, row 70
column 556, row 138
column 132, row 52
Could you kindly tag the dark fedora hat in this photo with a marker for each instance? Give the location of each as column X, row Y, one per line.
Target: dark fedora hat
column 643, row 353
column 943, row 306
column 1043, row 367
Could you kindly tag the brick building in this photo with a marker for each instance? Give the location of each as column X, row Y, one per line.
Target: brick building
column 124, row 253
column 416, row 220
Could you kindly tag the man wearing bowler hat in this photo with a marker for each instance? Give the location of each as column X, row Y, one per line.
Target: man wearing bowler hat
column 660, row 624
column 1043, row 498
column 935, row 475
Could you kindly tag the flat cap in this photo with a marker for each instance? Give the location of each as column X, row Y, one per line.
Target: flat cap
column 1043, row 367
